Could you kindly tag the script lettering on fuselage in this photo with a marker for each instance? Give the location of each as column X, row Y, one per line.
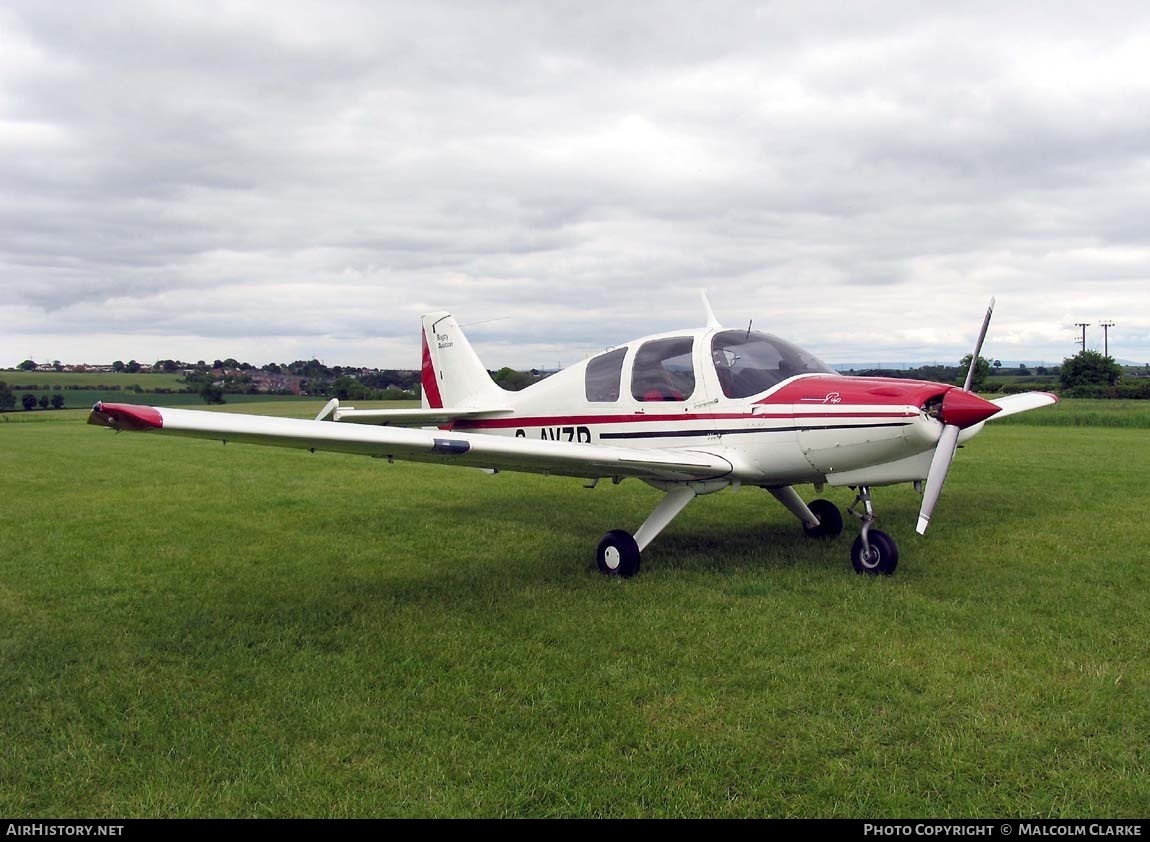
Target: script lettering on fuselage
column 576, row 434
column 830, row 397
column 443, row 340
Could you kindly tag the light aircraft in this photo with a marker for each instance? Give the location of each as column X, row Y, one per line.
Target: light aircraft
column 689, row 412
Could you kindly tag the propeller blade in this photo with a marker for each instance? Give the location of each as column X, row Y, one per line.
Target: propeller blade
column 968, row 411
column 936, row 476
column 978, row 347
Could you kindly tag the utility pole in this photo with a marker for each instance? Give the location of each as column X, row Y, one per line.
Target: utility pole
column 1083, row 325
column 1106, row 336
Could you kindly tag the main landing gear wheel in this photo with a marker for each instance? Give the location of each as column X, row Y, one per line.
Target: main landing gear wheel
column 882, row 559
column 830, row 520
column 618, row 554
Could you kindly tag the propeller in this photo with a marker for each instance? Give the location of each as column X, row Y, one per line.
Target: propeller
column 960, row 409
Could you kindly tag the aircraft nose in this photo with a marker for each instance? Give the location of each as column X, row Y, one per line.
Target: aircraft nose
column 965, row 409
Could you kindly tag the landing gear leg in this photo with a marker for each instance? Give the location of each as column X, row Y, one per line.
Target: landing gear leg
column 619, row 552
column 873, row 552
column 830, row 520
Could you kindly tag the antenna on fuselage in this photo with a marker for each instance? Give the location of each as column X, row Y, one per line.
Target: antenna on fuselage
column 711, row 320
column 749, row 323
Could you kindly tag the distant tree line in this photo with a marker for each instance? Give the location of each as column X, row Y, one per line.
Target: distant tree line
column 28, row 401
column 92, row 387
column 956, row 374
column 1087, row 374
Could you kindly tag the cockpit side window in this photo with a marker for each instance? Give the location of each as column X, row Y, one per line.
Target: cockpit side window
column 603, row 376
column 664, row 370
column 751, row 362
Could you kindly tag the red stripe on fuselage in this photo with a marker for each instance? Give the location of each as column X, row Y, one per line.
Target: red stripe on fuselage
column 820, row 393
column 568, row 420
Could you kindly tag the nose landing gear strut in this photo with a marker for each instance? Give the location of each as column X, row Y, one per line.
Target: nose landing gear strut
column 873, row 552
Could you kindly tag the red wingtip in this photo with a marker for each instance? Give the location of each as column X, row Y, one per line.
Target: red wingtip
column 126, row 416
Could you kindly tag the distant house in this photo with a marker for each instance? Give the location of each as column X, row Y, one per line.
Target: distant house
column 280, row 383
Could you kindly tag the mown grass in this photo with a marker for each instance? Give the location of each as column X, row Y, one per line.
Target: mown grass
column 1037, row 381
column 45, row 380
column 1071, row 412
column 85, row 398
column 193, row 629
column 82, row 389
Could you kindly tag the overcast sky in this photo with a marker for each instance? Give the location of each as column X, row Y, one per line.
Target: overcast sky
column 275, row 181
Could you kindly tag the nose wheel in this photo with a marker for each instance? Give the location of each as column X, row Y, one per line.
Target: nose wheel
column 873, row 552
column 877, row 556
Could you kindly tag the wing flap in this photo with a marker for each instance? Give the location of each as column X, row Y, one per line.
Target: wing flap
column 465, row 449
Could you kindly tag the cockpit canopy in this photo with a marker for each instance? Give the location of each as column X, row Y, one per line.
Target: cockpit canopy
column 750, row 362
column 673, row 368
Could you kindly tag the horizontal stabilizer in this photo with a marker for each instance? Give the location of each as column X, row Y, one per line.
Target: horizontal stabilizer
column 411, row 417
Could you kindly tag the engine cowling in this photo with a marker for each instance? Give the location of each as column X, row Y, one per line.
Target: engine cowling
column 965, row 409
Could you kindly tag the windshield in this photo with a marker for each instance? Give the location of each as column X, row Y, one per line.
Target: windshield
column 749, row 362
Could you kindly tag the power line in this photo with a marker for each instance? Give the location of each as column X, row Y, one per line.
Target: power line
column 1083, row 325
column 1106, row 336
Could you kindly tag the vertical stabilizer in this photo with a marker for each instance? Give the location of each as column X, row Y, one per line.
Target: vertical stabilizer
column 712, row 322
column 452, row 374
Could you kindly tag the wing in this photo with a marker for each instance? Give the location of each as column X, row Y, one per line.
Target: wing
column 466, row 449
column 1012, row 404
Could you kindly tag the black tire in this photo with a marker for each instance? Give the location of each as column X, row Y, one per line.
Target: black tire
column 830, row 520
column 618, row 554
column 883, row 558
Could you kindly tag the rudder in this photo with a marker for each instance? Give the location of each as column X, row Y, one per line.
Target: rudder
column 452, row 374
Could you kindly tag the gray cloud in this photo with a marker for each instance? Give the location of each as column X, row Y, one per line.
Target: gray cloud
column 859, row 178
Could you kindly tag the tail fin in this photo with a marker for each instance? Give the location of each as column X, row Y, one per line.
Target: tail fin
column 452, row 375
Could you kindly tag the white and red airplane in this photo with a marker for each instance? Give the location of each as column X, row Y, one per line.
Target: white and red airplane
column 690, row 412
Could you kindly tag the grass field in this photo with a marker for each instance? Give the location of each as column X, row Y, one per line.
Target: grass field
column 81, row 389
column 1034, row 381
column 85, row 398
column 45, row 380
column 189, row 629
column 1126, row 414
